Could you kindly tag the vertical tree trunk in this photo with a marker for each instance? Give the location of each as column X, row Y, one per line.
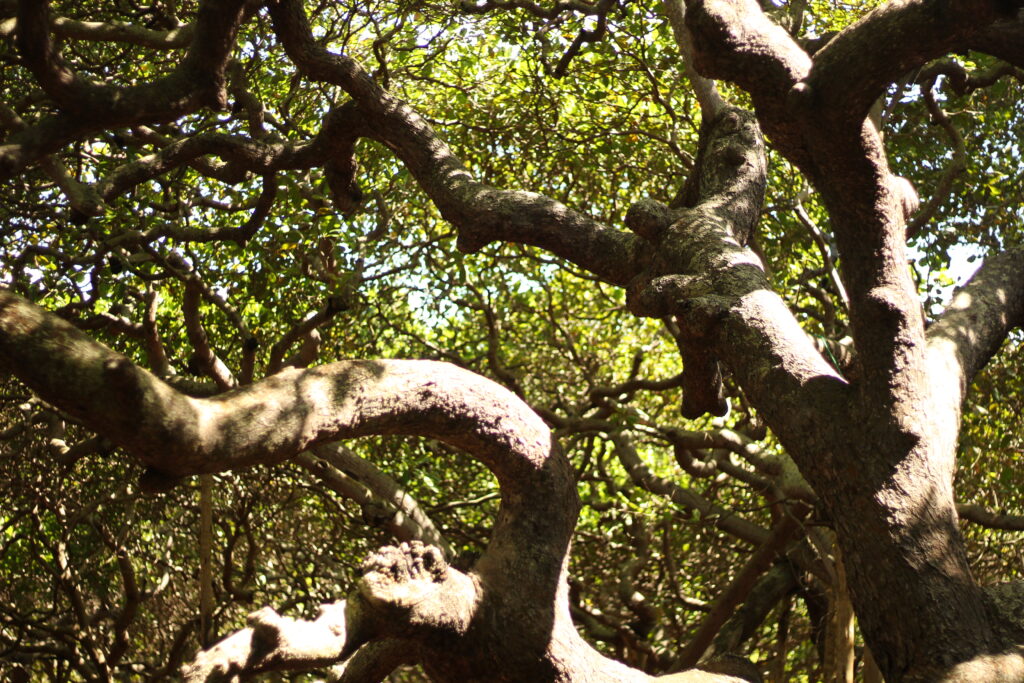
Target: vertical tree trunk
column 909, row 580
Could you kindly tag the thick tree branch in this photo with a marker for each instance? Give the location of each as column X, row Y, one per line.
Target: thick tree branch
column 731, row 182
column 198, row 81
column 854, row 69
column 717, row 289
column 1003, row 39
column 975, row 324
column 846, row 162
column 92, row 373
column 481, row 213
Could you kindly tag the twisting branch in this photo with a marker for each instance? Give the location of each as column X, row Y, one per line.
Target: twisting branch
column 306, row 331
column 273, row 642
column 118, row 32
column 208, row 361
column 405, row 592
column 481, row 213
column 184, row 271
column 198, row 81
column 843, row 156
column 283, row 415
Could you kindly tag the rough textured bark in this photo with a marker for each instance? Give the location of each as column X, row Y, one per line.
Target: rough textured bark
column 878, row 451
column 198, row 81
column 512, row 607
column 887, row 474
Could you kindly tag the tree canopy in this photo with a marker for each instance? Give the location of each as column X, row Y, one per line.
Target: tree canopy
column 502, row 340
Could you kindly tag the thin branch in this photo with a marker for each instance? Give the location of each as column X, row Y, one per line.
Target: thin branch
column 957, row 164
column 410, row 521
column 711, row 102
column 577, row 6
column 824, row 249
column 719, row 517
column 989, row 519
column 781, row 535
column 208, row 361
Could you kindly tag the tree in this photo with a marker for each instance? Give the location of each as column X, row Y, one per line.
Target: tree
column 812, row 373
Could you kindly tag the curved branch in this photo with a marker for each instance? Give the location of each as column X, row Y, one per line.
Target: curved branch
column 854, row 69
column 481, row 213
column 82, row 197
column 117, row 32
column 975, row 324
column 287, row 413
column 845, row 160
column 305, row 330
column 339, row 130
column 209, row 362
column 198, row 81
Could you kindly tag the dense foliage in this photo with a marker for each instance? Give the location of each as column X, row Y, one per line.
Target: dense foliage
column 586, row 103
